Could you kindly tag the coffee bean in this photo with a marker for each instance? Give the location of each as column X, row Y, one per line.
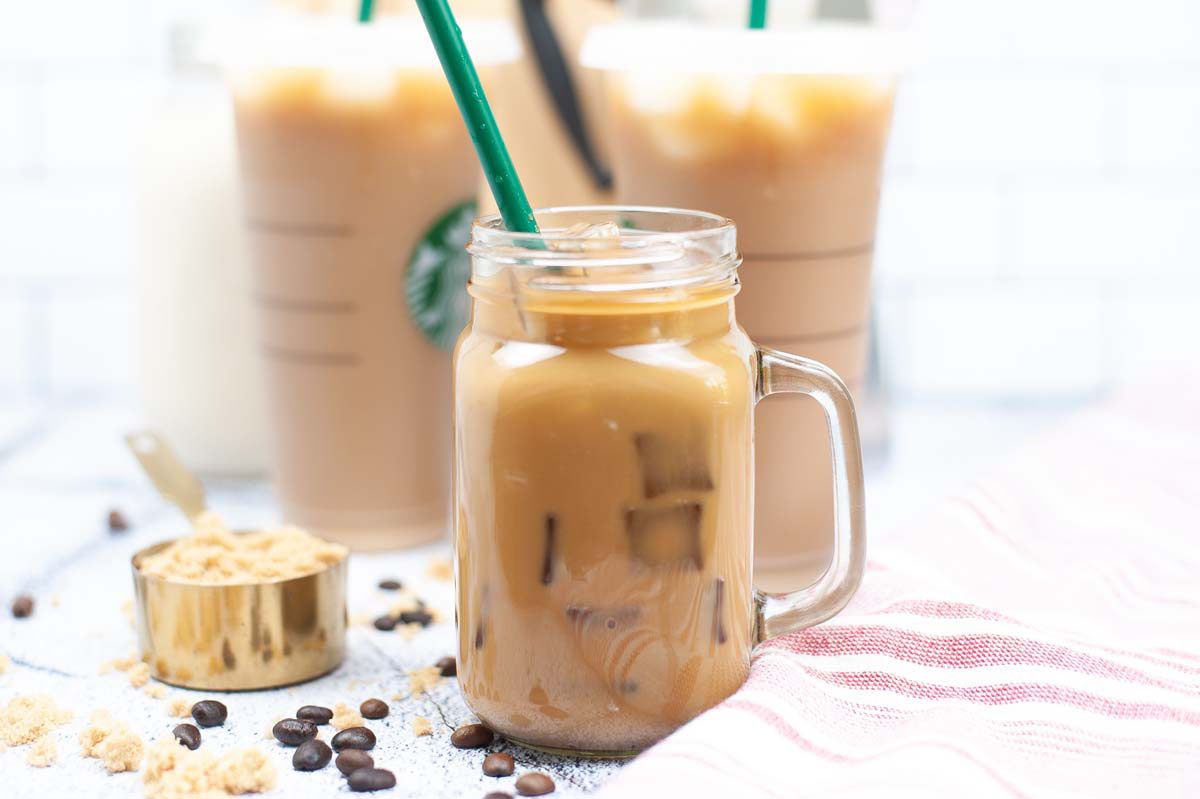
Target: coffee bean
column 352, row 760
column 188, row 735
column 471, row 736
column 447, row 666
column 390, row 585
column 498, row 764
column 498, row 795
column 293, row 732
column 315, row 713
column 209, row 713
column 311, row 755
column 371, row 779
column 385, row 623
column 354, row 738
column 22, row 606
column 421, row 617
column 534, row 783
column 373, row 709
column 117, row 523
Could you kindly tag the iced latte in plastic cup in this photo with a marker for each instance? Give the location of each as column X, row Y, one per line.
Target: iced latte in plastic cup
column 359, row 182
column 784, row 132
column 604, row 479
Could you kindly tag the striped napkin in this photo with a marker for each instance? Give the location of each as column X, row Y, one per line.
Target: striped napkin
column 1038, row 636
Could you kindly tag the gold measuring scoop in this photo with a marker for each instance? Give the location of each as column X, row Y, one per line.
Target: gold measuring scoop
column 231, row 637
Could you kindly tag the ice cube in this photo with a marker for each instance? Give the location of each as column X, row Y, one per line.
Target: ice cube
column 548, row 549
column 666, row 537
column 672, row 463
column 718, row 625
column 588, row 236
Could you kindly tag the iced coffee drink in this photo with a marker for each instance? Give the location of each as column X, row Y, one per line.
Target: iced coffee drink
column 604, row 398
column 358, row 179
column 785, row 133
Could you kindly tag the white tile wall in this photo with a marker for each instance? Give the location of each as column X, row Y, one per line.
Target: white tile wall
column 15, row 345
column 20, row 111
column 1037, row 239
column 89, row 342
column 999, row 339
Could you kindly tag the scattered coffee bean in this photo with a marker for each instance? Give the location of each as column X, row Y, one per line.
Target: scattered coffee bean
column 311, row 756
column 447, row 666
column 385, row 623
column 117, row 523
column 421, row 617
column 371, row 779
column 373, row 709
column 22, row 606
column 534, row 783
column 209, row 713
column 390, row 585
column 315, row 713
column 293, row 732
column 498, row 795
column 471, row 736
column 498, row 764
column 352, row 760
column 354, row 738
column 188, row 735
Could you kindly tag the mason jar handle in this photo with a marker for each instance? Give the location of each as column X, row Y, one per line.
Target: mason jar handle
column 779, row 614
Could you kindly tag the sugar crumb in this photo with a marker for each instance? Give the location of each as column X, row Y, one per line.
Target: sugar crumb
column 25, row 719
column 179, row 708
column 345, row 717
column 43, row 753
column 440, row 569
column 4, row 663
column 139, row 674
column 409, row 631
column 421, row 726
column 155, row 690
column 269, row 730
column 422, row 679
column 119, row 664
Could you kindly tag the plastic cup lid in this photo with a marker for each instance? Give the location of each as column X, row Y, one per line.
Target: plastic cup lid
column 314, row 41
column 672, row 47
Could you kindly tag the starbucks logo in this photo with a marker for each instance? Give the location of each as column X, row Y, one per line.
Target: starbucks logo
column 435, row 284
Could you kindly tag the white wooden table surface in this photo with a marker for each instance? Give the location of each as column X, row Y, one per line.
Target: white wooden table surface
column 61, row 472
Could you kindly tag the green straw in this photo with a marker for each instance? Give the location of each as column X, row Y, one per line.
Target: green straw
column 477, row 114
column 365, row 7
column 758, row 14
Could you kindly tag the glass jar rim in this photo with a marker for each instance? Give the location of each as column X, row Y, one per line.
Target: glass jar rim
column 658, row 248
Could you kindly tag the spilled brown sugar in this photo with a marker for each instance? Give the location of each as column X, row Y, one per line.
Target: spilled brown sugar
column 25, row 719
column 174, row 772
column 43, row 753
column 113, row 742
column 214, row 555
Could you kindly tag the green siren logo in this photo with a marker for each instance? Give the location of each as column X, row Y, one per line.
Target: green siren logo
column 435, row 284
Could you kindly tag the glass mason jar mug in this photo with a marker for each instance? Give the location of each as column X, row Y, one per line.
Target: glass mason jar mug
column 603, row 416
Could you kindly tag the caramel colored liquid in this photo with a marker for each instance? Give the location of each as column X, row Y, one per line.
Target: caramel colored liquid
column 796, row 161
column 342, row 176
column 603, row 512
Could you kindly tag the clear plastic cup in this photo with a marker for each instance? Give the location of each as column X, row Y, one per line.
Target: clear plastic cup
column 359, row 182
column 783, row 131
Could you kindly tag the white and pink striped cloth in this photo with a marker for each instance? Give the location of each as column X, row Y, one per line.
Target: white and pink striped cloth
column 1037, row 636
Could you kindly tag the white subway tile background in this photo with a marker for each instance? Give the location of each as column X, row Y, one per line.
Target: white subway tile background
column 1037, row 241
